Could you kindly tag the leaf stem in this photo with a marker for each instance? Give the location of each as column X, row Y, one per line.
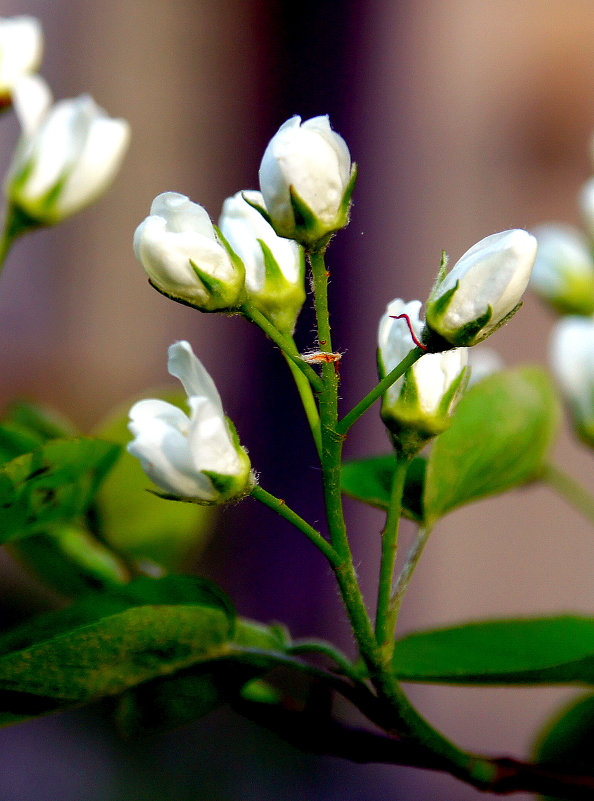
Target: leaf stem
column 371, row 397
column 574, row 493
column 326, row 649
column 286, row 344
column 281, row 508
column 385, row 622
column 408, row 568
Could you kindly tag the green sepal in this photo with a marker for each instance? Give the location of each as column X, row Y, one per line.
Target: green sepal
column 499, row 324
column 348, row 193
column 279, row 300
column 221, row 295
column 260, row 209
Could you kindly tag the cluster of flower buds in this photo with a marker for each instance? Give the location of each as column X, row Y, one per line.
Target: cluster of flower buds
column 480, row 293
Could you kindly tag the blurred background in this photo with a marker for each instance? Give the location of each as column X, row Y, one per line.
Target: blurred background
column 466, row 117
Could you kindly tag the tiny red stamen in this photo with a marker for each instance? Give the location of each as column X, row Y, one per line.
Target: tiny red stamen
column 410, row 328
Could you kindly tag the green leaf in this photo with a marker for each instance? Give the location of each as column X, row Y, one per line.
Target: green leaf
column 174, row 636
column 43, row 422
column 370, row 480
column 567, row 741
column 139, row 523
column 499, row 438
column 548, row 650
column 53, row 484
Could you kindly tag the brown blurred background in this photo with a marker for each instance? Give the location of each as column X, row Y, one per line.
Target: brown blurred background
column 466, row 117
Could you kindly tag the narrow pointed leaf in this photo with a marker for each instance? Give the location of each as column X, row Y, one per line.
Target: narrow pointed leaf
column 547, row 650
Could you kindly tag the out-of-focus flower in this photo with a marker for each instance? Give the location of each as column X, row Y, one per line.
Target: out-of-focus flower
column 307, row 180
column 481, row 292
column 418, row 405
column 563, row 273
column 199, row 457
column 274, row 266
column 586, row 206
column 185, row 258
column 21, row 48
column 572, row 363
column 68, row 154
column 483, row 361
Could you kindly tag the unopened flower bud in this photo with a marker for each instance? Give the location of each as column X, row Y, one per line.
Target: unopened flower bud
column 572, row 363
column 481, row 292
column 563, row 273
column 21, row 48
column 307, row 181
column 197, row 458
column 185, row 258
column 274, row 266
column 420, row 403
column 68, row 154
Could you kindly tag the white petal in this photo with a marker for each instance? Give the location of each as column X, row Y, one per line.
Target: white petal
column 21, row 48
column 182, row 214
column 32, row 98
column 210, row 442
column 187, row 367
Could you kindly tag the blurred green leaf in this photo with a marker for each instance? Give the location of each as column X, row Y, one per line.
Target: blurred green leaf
column 370, row 480
column 499, row 438
column 55, row 483
column 548, row 650
column 567, row 740
column 171, row 638
column 139, row 523
column 40, row 421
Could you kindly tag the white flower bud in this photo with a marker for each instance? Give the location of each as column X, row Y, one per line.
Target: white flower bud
column 274, row 266
column 199, row 457
column 184, row 257
column 482, row 291
column 307, row 180
column 21, row 48
column 563, row 273
column 67, row 156
column 420, row 403
column 572, row 363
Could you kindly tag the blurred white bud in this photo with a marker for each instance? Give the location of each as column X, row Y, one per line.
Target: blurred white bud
column 68, row 153
column 563, row 273
column 572, row 363
column 21, row 48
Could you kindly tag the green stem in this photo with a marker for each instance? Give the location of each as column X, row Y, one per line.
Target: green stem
column 574, row 493
column 404, row 578
column 326, row 649
column 399, row 717
column 384, row 621
column 286, row 344
column 377, row 392
column 308, row 401
column 281, row 508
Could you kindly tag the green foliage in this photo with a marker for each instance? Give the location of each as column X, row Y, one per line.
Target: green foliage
column 139, row 523
column 548, row 650
column 567, row 741
column 175, row 636
column 53, row 484
column 499, row 438
column 370, row 480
